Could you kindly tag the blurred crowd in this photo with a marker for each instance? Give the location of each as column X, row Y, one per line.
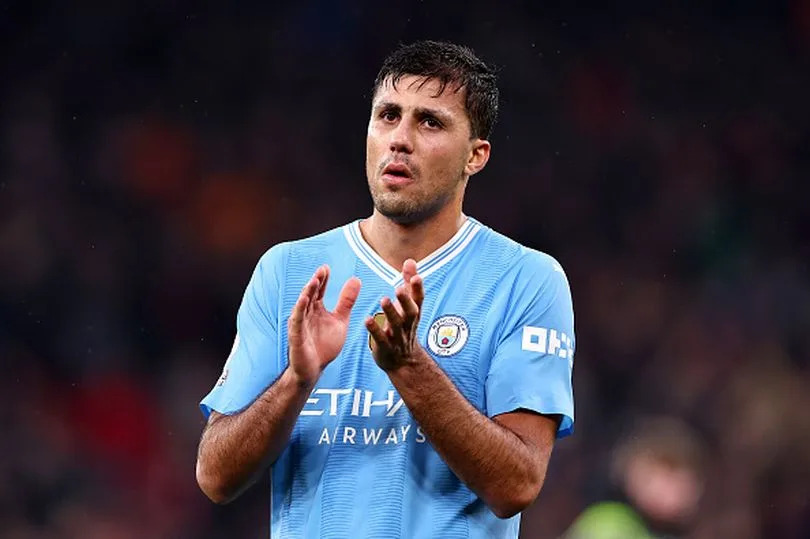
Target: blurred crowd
column 150, row 152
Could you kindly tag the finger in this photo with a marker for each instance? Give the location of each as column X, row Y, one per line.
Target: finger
column 299, row 310
column 411, row 276
column 417, row 290
column 393, row 316
column 377, row 333
column 311, row 290
column 410, row 310
column 398, row 306
column 408, row 269
column 347, row 298
column 323, row 273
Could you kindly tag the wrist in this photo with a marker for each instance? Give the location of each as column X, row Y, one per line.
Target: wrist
column 300, row 382
column 415, row 363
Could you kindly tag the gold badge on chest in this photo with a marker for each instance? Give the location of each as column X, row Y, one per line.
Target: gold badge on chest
column 381, row 320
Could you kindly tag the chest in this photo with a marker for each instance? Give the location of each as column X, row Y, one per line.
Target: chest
column 457, row 328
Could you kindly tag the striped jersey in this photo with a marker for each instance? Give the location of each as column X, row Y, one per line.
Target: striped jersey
column 498, row 319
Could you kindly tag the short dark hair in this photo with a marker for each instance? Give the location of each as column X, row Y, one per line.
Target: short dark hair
column 449, row 64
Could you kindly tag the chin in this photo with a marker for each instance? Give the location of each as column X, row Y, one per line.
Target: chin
column 409, row 215
column 401, row 216
column 406, row 211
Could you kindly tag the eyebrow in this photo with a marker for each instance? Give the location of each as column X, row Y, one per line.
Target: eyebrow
column 418, row 111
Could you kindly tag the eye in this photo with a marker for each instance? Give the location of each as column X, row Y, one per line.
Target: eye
column 389, row 115
column 432, row 123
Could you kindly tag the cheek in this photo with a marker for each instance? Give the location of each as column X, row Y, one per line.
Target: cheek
column 372, row 150
column 448, row 162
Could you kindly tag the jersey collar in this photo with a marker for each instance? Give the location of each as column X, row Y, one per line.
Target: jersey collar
column 425, row 267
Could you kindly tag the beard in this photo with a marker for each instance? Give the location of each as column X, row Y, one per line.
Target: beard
column 408, row 210
column 417, row 202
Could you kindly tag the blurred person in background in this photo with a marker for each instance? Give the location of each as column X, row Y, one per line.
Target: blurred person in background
column 451, row 431
column 658, row 470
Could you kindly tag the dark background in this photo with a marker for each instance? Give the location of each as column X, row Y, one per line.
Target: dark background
column 151, row 151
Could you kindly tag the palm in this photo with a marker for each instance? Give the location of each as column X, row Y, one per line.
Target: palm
column 316, row 335
column 322, row 335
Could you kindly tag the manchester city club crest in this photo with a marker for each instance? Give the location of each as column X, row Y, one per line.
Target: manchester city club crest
column 447, row 335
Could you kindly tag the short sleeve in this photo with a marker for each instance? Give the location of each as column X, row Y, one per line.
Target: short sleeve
column 253, row 363
column 533, row 362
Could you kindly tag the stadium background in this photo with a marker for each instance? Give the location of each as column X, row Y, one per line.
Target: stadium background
column 151, row 151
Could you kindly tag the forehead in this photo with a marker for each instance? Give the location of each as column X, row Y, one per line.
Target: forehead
column 417, row 90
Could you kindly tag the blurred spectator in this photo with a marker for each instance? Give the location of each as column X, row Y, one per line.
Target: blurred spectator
column 659, row 471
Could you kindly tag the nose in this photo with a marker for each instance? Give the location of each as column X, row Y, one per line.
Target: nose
column 401, row 138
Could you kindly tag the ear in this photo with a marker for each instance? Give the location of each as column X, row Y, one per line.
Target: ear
column 479, row 155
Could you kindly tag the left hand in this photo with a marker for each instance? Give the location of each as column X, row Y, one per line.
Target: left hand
column 396, row 344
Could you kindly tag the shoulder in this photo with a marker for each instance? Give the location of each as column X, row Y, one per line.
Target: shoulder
column 279, row 254
column 291, row 263
column 522, row 261
column 331, row 238
column 541, row 268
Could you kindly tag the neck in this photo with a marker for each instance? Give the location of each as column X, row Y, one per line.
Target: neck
column 396, row 243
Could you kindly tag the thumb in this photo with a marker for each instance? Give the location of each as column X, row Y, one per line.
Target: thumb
column 348, row 295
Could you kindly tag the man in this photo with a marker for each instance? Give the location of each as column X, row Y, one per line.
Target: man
column 658, row 470
column 428, row 414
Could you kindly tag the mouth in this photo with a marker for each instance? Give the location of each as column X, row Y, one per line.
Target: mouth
column 397, row 174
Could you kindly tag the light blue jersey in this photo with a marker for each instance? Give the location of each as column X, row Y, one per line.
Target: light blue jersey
column 497, row 317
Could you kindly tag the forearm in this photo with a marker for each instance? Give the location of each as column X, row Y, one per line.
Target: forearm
column 235, row 448
column 489, row 458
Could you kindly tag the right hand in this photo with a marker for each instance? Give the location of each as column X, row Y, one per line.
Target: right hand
column 314, row 334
